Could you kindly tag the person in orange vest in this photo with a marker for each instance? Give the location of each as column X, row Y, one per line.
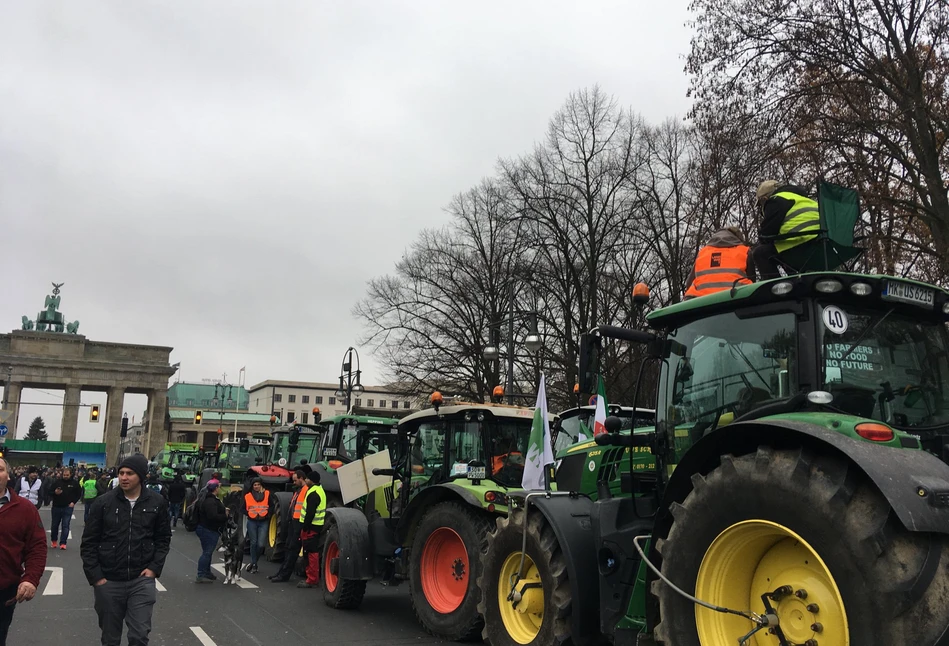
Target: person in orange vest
column 292, row 543
column 725, row 261
column 259, row 507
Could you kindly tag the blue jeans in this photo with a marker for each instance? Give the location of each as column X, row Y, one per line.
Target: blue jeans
column 257, row 531
column 62, row 516
column 86, row 504
column 208, row 538
column 174, row 510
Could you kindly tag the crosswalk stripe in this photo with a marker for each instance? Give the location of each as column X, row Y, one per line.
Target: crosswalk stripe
column 202, row 636
column 55, row 584
column 241, row 583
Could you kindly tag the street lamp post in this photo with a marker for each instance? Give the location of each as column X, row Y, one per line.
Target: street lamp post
column 222, row 391
column 533, row 342
column 349, row 379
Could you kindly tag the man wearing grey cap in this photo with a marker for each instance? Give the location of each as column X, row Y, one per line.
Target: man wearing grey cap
column 124, row 546
column 785, row 210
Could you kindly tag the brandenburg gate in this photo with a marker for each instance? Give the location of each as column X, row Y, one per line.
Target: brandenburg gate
column 50, row 353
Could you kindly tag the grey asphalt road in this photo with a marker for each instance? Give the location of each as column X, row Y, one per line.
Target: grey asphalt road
column 212, row 615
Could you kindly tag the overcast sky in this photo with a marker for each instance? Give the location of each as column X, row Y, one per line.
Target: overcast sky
column 224, row 177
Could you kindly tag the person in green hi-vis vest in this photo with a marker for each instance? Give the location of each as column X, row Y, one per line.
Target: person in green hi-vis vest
column 89, row 493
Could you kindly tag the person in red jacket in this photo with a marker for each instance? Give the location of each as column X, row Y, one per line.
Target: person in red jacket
column 22, row 550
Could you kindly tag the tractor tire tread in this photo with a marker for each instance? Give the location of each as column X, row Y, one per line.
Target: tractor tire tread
column 484, row 525
column 542, row 534
column 909, row 572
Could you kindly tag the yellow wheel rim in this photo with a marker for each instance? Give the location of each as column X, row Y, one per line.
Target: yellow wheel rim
column 272, row 531
column 755, row 557
column 522, row 622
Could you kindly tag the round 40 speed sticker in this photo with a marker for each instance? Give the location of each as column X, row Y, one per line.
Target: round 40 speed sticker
column 835, row 319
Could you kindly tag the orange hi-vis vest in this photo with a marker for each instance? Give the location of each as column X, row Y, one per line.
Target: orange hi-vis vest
column 718, row 268
column 256, row 509
column 298, row 502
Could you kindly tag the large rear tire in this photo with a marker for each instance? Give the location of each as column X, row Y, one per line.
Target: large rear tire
column 541, row 615
column 339, row 593
column 812, row 522
column 279, row 524
column 445, row 568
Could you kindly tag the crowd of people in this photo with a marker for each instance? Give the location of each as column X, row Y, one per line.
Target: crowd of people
column 122, row 559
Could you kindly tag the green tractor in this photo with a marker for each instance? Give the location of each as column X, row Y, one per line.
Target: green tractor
column 348, row 438
column 799, row 494
column 178, row 458
column 233, row 459
column 582, row 464
column 452, row 478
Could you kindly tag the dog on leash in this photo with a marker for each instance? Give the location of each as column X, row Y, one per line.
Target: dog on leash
column 232, row 538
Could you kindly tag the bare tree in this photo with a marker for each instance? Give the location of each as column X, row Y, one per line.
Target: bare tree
column 430, row 321
column 852, row 82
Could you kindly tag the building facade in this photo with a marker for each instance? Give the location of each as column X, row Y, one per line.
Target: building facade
column 293, row 401
column 224, row 413
column 132, row 442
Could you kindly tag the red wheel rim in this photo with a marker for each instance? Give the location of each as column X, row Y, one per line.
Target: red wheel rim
column 444, row 570
column 331, row 580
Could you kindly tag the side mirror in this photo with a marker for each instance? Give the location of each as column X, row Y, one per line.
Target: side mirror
column 613, row 424
column 589, row 362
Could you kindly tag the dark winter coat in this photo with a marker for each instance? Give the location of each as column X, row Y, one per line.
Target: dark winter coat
column 119, row 542
column 212, row 514
column 71, row 492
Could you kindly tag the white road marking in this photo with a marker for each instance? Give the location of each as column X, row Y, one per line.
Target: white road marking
column 159, row 586
column 202, row 636
column 55, row 584
column 241, row 583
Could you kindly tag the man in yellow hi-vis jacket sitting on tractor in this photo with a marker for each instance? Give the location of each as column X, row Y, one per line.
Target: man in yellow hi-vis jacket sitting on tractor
column 786, row 210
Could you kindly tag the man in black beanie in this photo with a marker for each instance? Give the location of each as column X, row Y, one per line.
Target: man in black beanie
column 121, row 560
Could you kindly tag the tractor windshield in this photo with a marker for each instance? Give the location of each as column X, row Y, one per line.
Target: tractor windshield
column 305, row 447
column 498, row 443
column 885, row 365
column 356, row 442
column 722, row 366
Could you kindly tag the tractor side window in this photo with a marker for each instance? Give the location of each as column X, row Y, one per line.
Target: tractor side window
column 722, row 367
column 429, row 449
column 510, row 440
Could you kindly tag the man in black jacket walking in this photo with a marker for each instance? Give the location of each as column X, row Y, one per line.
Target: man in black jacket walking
column 124, row 547
column 65, row 493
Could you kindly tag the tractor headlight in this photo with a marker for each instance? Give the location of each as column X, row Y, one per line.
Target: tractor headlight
column 782, row 288
column 828, row 286
column 860, row 289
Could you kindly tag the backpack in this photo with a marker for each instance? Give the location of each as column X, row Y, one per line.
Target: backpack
column 191, row 516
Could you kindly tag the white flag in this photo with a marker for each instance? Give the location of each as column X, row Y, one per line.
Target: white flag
column 539, row 452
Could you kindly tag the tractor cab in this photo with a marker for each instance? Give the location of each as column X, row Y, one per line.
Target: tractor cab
column 290, row 447
column 469, row 442
column 347, row 438
column 576, row 424
column 870, row 348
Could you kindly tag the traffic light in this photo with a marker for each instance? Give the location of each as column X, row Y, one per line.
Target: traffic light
column 94, row 413
column 197, row 417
